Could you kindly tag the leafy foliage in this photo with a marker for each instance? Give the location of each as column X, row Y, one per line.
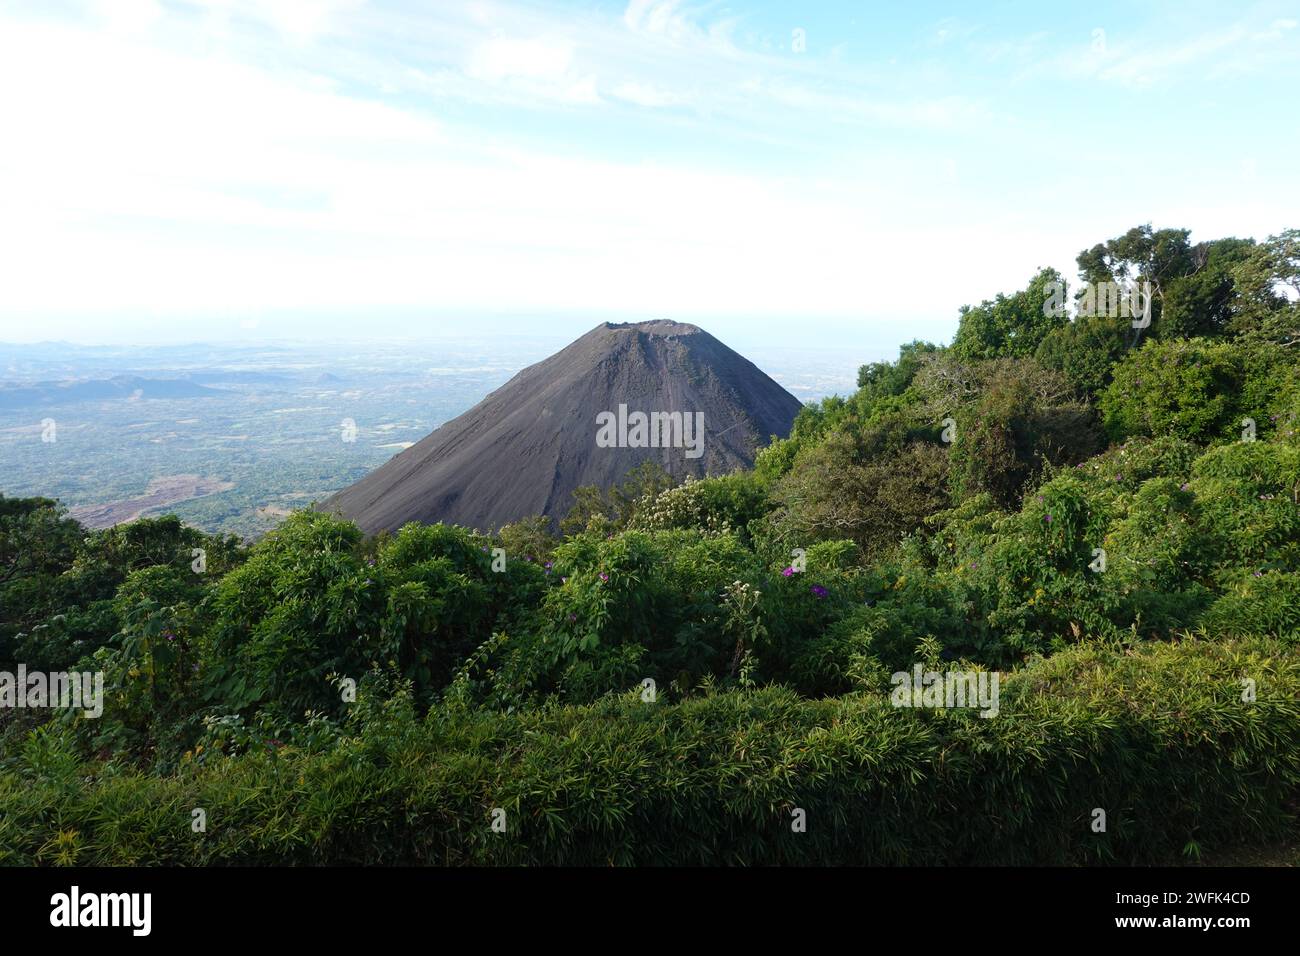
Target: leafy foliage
column 716, row 778
column 679, row 667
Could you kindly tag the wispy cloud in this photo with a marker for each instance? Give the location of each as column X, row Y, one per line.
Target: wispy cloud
column 1147, row 59
column 221, row 156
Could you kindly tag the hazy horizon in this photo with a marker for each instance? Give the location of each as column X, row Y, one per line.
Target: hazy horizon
column 874, row 342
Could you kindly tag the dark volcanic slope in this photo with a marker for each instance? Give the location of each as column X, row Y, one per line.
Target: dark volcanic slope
column 525, row 448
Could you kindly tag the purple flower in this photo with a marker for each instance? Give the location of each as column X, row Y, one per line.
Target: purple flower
column 548, row 565
column 573, row 617
column 1047, row 518
column 788, row 571
column 818, row 590
column 1183, row 486
column 604, row 576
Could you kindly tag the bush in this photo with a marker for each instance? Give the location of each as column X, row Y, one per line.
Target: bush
column 726, row 503
column 309, row 603
column 1009, row 326
column 847, row 488
column 1186, row 388
column 1013, row 418
column 1085, row 351
column 620, row 609
column 1261, row 602
column 1160, row 738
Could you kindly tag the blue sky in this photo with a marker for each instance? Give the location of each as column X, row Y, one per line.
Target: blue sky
column 781, row 173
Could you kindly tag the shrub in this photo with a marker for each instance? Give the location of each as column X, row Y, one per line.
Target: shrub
column 1085, row 351
column 846, row 488
column 1186, row 388
column 1249, row 496
column 1159, row 737
column 1258, row 603
column 1009, row 326
column 1007, row 439
column 726, row 503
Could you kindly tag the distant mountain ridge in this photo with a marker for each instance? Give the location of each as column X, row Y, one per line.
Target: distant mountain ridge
column 525, row 448
column 46, row 394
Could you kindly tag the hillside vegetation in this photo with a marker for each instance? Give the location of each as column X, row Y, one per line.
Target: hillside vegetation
column 1106, row 512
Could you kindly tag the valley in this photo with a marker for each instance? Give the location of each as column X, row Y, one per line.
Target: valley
column 261, row 424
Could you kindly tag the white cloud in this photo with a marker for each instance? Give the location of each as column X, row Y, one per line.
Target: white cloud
column 299, row 21
column 647, row 94
column 1139, row 61
column 1140, row 65
column 229, row 189
column 537, row 68
column 503, row 57
column 126, row 16
column 655, row 16
column 1277, row 29
column 138, row 175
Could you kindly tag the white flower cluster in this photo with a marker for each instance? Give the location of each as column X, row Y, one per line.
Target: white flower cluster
column 678, row 508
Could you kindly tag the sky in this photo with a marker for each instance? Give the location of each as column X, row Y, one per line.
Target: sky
column 783, row 174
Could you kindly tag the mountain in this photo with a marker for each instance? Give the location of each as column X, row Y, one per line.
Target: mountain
column 119, row 387
column 618, row 396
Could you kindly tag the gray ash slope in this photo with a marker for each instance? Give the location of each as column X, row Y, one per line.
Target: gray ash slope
column 524, row 449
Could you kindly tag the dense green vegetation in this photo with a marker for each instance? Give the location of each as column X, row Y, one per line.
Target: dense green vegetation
column 1107, row 514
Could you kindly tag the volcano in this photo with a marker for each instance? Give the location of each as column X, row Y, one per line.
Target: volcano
column 619, row 396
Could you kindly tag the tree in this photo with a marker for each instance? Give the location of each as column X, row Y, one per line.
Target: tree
column 605, row 511
column 1189, row 388
column 1006, row 437
column 1011, row 326
column 36, row 536
column 1201, row 303
column 1011, row 416
column 1266, row 299
column 1141, row 255
column 1085, row 351
column 879, row 379
column 870, row 485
